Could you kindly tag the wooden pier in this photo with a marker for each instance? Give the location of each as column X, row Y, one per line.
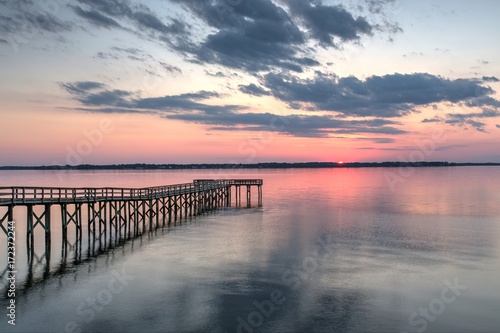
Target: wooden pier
column 117, row 214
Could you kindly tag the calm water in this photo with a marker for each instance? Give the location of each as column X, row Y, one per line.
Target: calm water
column 331, row 250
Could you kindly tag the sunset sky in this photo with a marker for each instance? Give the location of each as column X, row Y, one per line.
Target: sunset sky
column 247, row 81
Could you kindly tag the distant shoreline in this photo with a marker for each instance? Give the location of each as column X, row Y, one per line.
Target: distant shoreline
column 269, row 165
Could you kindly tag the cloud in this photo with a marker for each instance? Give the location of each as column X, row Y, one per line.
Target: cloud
column 151, row 21
column 171, row 68
column 107, row 97
column 490, row 79
column 107, row 14
column 197, row 107
column 115, row 8
column 327, row 22
column 252, row 36
column 186, row 103
column 216, row 74
column 47, row 22
column 96, row 18
column 133, row 53
column 253, row 89
column 432, row 120
column 260, row 35
column 81, row 87
column 479, row 126
column 295, row 125
column 122, row 52
column 470, row 119
column 498, row 125
column 22, row 20
column 376, row 140
column 94, row 94
column 392, row 95
column 464, row 121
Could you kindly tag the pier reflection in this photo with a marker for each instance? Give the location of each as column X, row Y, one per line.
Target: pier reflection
column 41, row 266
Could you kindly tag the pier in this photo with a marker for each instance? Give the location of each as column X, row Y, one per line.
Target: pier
column 111, row 215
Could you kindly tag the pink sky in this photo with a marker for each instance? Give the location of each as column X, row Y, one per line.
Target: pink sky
column 249, row 88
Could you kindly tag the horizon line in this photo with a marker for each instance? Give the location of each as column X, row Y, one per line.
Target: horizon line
column 269, row 165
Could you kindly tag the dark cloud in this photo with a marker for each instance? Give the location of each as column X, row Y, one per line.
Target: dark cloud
column 254, row 90
column 94, row 94
column 259, row 35
column 81, row 87
column 131, row 53
column 216, row 74
column 376, row 140
column 393, row 95
column 196, row 108
column 486, row 113
column 21, row 21
column 490, row 79
column 498, row 125
column 7, row 25
column 47, row 22
column 327, row 22
column 107, row 14
column 296, row 125
column 253, row 36
column 151, row 21
column 114, row 8
column 186, row 102
column 96, row 18
column 471, row 119
column 378, row 6
column 106, row 97
column 129, row 50
column 464, row 121
column 117, row 110
column 171, row 68
column 432, row 120
column 104, row 55
column 483, row 100
column 479, row 126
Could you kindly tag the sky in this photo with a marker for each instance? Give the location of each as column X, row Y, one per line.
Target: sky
column 248, row 81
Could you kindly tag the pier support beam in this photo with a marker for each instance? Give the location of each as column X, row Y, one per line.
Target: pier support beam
column 7, row 217
column 32, row 221
column 259, row 189
column 97, row 215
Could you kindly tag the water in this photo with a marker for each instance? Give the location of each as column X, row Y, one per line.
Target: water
column 331, row 250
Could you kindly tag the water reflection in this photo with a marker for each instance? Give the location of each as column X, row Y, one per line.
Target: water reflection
column 389, row 255
column 75, row 251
